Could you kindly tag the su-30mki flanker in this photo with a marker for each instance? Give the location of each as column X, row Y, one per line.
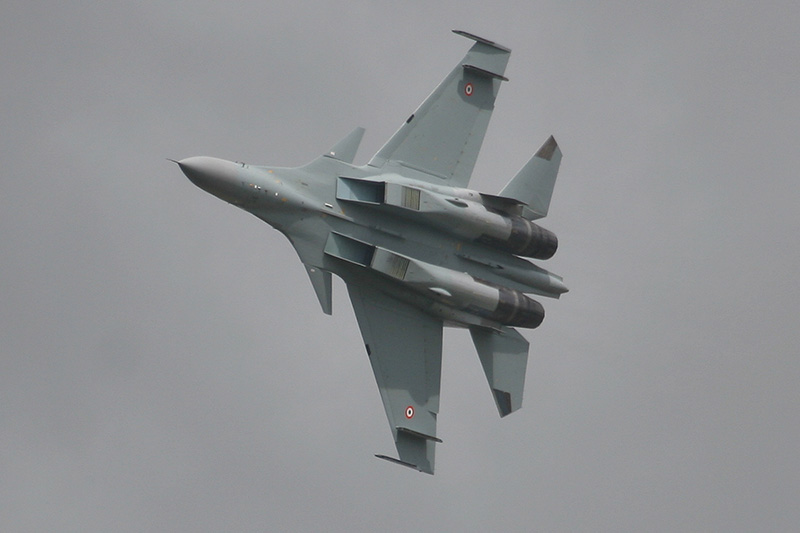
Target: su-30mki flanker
column 416, row 248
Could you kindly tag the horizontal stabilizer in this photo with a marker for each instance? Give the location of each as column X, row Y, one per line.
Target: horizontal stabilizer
column 533, row 185
column 504, row 357
column 345, row 150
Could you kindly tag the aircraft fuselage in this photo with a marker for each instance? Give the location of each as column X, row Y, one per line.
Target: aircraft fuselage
column 416, row 248
column 471, row 277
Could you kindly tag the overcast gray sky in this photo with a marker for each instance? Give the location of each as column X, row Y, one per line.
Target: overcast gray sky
column 165, row 366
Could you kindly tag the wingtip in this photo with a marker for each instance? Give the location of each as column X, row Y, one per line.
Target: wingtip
column 346, row 149
column 479, row 39
column 548, row 149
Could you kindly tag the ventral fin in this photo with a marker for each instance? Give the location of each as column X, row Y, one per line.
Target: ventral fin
column 321, row 281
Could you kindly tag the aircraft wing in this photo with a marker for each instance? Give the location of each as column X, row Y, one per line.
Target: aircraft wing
column 442, row 138
column 405, row 349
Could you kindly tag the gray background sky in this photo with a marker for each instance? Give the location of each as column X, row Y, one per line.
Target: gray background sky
column 164, row 364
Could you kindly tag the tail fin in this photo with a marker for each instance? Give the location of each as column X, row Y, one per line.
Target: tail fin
column 533, row 185
column 345, row 150
column 504, row 357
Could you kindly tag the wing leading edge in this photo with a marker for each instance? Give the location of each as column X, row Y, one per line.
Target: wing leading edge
column 405, row 350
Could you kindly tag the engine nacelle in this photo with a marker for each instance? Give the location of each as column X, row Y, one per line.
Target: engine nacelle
column 454, row 289
column 526, row 239
column 516, row 309
column 522, row 311
column 471, row 218
column 461, row 212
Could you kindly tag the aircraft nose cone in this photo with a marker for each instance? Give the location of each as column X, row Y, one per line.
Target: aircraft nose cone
column 217, row 176
column 207, row 170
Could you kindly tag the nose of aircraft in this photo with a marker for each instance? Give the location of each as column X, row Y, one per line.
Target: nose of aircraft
column 217, row 176
column 204, row 171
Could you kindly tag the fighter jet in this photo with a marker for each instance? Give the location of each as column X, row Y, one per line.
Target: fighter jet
column 416, row 248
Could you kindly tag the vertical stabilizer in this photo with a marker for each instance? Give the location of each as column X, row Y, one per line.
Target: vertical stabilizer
column 534, row 184
column 345, row 150
column 504, row 357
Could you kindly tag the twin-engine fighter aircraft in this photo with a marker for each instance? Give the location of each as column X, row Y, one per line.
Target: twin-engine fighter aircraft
column 416, row 248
